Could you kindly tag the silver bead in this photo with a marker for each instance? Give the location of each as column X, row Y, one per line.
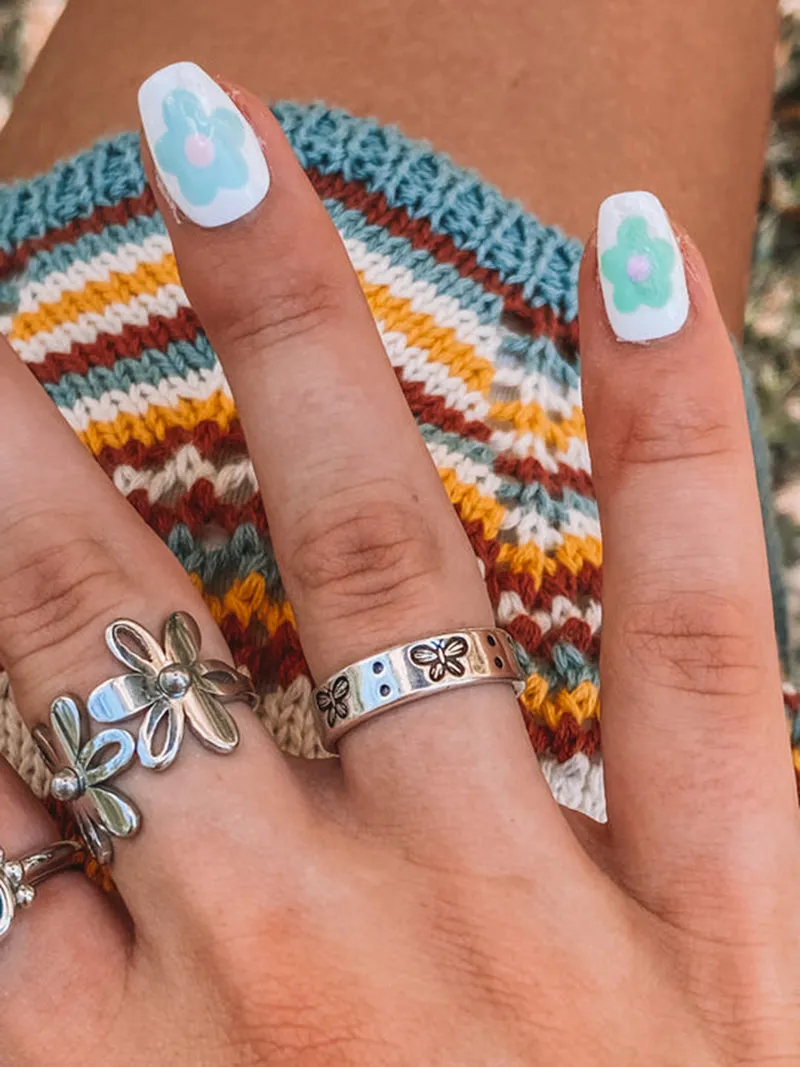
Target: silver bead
column 174, row 681
column 25, row 896
column 66, row 785
column 14, row 873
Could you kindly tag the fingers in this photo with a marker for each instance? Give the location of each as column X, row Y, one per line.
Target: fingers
column 697, row 760
column 370, row 550
column 73, row 558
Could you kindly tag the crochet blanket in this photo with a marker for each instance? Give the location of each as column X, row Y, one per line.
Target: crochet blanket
column 475, row 301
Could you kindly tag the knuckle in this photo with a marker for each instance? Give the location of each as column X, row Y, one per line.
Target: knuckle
column 665, row 431
column 698, row 642
column 279, row 1022
column 299, row 303
column 364, row 558
column 55, row 586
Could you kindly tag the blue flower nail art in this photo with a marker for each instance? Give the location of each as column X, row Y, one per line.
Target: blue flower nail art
column 639, row 266
column 203, row 150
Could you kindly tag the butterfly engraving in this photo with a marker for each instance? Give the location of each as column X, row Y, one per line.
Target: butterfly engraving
column 441, row 656
column 172, row 686
column 81, row 769
column 332, row 700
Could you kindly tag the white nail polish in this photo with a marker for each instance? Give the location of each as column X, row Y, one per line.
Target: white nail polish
column 641, row 268
column 206, row 152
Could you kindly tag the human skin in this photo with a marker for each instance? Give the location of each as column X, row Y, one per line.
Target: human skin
column 418, row 901
column 558, row 103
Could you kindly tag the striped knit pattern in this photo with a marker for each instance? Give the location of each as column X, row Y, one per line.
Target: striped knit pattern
column 476, row 304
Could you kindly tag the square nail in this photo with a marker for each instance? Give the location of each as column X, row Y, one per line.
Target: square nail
column 206, row 153
column 641, row 268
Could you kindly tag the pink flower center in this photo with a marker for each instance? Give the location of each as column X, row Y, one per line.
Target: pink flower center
column 639, row 267
column 199, row 150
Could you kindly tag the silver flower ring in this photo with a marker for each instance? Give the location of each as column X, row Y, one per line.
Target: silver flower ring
column 171, row 688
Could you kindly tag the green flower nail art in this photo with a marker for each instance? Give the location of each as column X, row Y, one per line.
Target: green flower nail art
column 638, row 266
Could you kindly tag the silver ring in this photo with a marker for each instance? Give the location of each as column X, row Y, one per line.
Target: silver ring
column 407, row 672
column 18, row 878
column 172, row 688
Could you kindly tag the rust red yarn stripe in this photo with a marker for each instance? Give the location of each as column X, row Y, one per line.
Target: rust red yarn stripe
column 543, row 321
column 111, row 215
column 130, row 343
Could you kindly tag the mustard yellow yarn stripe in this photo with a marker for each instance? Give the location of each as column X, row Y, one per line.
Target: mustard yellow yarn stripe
column 96, row 296
column 152, row 427
column 247, row 599
column 572, row 553
column 395, row 313
column 423, row 331
column 532, row 418
column 472, row 504
column 581, row 703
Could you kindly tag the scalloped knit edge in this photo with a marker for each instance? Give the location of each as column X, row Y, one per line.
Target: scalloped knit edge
column 503, row 236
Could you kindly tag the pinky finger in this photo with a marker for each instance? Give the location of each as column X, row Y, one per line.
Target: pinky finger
column 64, row 956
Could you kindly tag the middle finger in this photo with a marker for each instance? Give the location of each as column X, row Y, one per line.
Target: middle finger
column 371, row 551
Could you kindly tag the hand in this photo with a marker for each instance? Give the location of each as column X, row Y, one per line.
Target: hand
column 423, row 900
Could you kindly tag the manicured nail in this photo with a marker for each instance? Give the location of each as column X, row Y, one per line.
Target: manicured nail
column 205, row 151
column 641, row 268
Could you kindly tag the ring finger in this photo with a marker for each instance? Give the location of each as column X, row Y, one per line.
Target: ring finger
column 43, row 948
column 74, row 557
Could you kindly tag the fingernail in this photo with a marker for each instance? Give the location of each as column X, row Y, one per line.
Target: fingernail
column 206, row 153
column 641, row 268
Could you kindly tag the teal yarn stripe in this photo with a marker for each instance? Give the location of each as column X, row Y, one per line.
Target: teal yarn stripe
column 503, row 236
column 410, row 174
column 72, row 189
column 178, row 360
column 566, row 670
column 90, row 245
column 511, row 492
column 424, row 266
column 246, row 552
column 540, row 355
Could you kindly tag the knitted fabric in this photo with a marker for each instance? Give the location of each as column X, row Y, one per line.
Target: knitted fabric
column 476, row 304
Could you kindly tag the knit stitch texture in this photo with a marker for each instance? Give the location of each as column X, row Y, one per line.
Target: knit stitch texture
column 476, row 304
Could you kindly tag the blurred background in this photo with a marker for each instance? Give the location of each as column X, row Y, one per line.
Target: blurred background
column 772, row 327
